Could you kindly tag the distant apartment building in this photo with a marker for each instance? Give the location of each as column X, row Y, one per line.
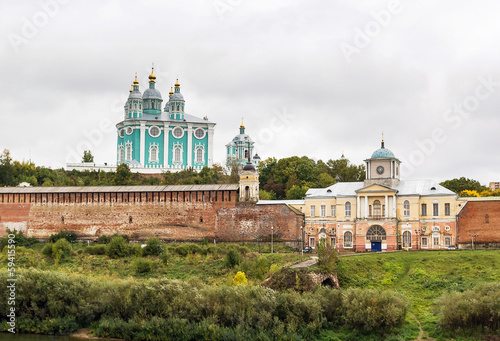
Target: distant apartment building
column 494, row 186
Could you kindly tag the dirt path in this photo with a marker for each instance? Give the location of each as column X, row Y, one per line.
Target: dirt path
column 305, row 264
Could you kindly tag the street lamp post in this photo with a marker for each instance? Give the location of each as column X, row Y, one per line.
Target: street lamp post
column 472, row 236
column 272, row 237
column 301, row 241
column 417, row 233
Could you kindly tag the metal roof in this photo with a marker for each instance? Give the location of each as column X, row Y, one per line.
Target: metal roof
column 114, row 189
column 281, row 202
column 405, row 187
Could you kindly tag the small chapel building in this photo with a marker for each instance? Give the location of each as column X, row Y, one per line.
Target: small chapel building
column 382, row 213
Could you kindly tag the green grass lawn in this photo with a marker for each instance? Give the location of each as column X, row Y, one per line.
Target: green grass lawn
column 421, row 276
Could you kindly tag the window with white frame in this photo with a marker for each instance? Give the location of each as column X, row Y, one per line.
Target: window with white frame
column 377, row 209
column 333, row 208
column 199, row 155
column 323, row 210
column 313, row 210
column 348, row 209
column 128, row 151
column 312, row 242
column 348, row 239
column 153, row 152
column 154, row 131
column 424, row 209
column 406, row 208
column 435, row 240
column 199, row 133
column 178, row 132
column 424, row 242
column 177, row 153
column 406, row 239
column 447, row 241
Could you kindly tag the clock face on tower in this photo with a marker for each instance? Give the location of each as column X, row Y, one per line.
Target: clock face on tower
column 380, row 170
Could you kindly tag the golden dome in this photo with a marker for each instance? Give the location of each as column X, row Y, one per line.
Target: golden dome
column 135, row 81
column 177, row 83
column 131, row 88
column 152, row 77
column 171, row 91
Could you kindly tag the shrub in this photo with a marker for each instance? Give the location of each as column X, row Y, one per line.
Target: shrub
column 118, row 247
column 233, row 258
column 19, row 238
column 62, row 247
column 240, row 278
column 47, row 250
column 327, row 258
column 153, row 247
column 475, row 309
column 373, row 309
column 260, row 267
column 143, row 266
column 165, row 257
column 68, row 235
column 96, row 249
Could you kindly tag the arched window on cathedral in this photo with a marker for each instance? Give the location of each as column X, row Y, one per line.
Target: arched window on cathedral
column 128, row 153
column 172, row 108
column 177, row 155
column 406, row 208
column 135, row 105
column 177, row 108
column 140, row 106
column 153, row 154
column 199, row 155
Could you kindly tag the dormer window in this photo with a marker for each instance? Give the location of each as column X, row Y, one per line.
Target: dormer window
column 433, row 188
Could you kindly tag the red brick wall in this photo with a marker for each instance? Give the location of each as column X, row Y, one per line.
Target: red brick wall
column 172, row 216
column 249, row 222
column 472, row 220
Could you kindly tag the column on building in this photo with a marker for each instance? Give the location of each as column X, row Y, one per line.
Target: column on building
column 358, row 207
column 386, row 208
column 190, row 145
column 142, row 149
column 166, row 133
column 394, row 204
column 210, row 146
column 366, row 206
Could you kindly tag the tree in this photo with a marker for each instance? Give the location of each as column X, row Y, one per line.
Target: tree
column 7, row 170
column 327, row 257
column 325, row 180
column 122, row 175
column 87, row 156
column 343, row 171
column 296, row 192
column 462, row 184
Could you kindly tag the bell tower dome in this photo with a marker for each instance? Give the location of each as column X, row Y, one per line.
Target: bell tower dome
column 382, row 168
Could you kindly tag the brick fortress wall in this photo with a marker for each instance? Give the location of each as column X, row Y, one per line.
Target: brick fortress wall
column 171, row 215
column 481, row 218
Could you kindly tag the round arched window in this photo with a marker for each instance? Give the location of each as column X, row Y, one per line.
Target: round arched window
column 199, row 133
column 178, row 132
column 154, row 131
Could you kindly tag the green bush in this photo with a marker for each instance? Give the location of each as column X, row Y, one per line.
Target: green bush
column 165, row 256
column 61, row 248
column 118, row 247
column 96, row 249
column 19, row 238
column 143, row 266
column 260, row 267
column 233, row 258
column 68, row 235
column 475, row 309
column 373, row 309
column 47, row 249
column 153, row 247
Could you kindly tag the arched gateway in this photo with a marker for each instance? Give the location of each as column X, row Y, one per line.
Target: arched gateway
column 376, row 234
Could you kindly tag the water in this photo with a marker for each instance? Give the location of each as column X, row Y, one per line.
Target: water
column 35, row 337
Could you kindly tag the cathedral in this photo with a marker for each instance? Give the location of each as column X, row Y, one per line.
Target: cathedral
column 163, row 140
column 383, row 213
column 239, row 149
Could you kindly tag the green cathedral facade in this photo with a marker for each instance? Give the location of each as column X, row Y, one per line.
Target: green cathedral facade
column 168, row 139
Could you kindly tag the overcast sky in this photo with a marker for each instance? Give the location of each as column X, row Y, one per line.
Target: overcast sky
column 313, row 78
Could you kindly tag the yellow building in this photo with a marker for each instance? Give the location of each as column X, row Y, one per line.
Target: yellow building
column 383, row 212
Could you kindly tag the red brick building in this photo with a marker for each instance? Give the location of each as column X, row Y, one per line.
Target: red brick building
column 479, row 223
